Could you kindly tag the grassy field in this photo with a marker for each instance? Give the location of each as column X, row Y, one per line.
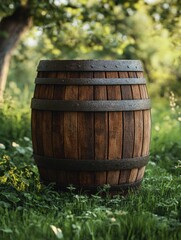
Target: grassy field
column 30, row 210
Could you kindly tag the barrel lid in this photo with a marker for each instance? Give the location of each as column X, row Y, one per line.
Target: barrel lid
column 90, row 65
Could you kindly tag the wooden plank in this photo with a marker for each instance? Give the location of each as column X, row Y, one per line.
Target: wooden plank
column 86, row 132
column 138, row 128
column 128, row 142
column 133, row 175
column 147, row 122
column 34, row 123
column 140, row 173
column 38, row 118
column 58, row 121
column 70, row 122
column 146, row 127
column 124, row 176
column 143, row 88
column 85, row 123
column 34, row 118
column 47, row 93
column 70, row 130
column 128, row 130
column 58, row 131
column 114, row 130
column 37, row 87
column 101, row 130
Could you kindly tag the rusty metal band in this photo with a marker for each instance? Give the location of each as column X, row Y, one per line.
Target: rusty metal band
column 89, row 65
column 90, row 165
column 90, row 81
column 112, row 188
column 90, row 106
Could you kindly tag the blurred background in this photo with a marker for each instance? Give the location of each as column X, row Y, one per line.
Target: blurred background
column 31, row 30
column 149, row 30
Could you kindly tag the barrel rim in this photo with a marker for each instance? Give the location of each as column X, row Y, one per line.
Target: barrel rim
column 90, row 65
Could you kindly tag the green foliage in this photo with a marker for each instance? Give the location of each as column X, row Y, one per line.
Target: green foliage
column 151, row 214
column 168, row 13
column 15, row 121
column 165, row 144
column 20, row 178
column 102, row 30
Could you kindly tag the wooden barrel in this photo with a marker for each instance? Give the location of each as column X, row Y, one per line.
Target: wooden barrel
column 91, row 123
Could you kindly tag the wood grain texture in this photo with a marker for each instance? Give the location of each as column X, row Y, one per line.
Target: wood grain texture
column 114, row 130
column 146, row 139
column 38, row 119
column 138, row 128
column 140, row 173
column 39, row 128
column 47, row 93
column 70, row 122
column 70, row 130
column 146, row 127
column 86, row 131
column 101, row 129
column 58, row 131
column 58, row 121
column 128, row 132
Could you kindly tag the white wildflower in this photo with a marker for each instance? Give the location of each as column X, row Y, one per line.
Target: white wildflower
column 57, row 231
column 2, row 146
column 113, row 219
column 15, row 144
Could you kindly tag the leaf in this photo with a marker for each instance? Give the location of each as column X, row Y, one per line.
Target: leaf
column 27, row 139
column 21, row 150
column 12, row 197
column 6, row 230
column 5, row 204
column 57, row 231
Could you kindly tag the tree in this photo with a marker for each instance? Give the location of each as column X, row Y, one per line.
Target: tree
column 57, row 17
column 98, row 26
column 12, row 27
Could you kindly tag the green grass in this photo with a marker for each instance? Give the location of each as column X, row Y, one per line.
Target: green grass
column 28, row 209
column 152, row 213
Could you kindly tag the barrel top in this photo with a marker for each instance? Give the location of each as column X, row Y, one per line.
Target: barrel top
column 90, row 65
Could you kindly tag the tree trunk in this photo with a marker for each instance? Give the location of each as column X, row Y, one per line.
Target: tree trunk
column 11, row 29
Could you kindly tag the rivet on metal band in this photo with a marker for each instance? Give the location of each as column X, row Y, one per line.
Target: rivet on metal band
column 90, row 165
column 90, row 81
column 89, row 65
column 90, row 106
